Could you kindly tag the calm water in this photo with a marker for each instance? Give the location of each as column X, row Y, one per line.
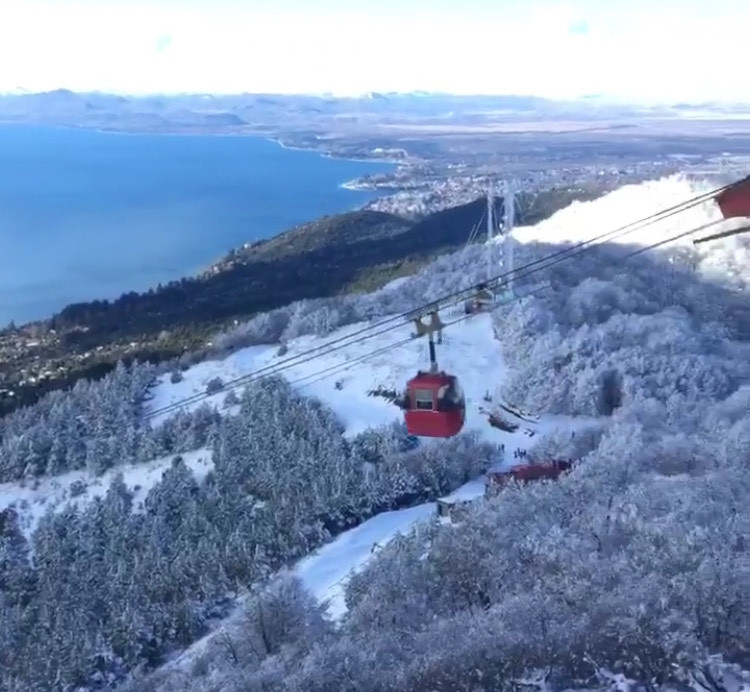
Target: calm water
column 88, row 215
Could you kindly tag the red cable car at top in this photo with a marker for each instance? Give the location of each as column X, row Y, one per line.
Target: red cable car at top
column 433, row 404
column 734, row 203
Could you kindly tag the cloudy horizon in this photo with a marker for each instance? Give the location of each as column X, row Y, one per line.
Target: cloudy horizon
column 639, row 51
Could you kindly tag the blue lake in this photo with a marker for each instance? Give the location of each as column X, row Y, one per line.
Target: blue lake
column 87, row 215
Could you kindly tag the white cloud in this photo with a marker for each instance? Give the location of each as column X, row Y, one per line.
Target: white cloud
column 648, row 51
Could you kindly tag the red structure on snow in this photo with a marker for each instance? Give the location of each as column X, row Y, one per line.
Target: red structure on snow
column 548, row 470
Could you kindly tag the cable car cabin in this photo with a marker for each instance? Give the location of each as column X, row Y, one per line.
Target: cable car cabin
column 482, row 301
column 734, row 202
column 434, row 405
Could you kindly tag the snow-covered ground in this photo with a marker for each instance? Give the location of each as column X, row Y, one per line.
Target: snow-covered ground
column 326, row 571
column 723, row 260
column 469, row 350
column 343, row 377
column 31, row 500
column 585, row 220
column 468, row 491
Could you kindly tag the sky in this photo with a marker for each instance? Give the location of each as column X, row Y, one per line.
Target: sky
column 632, row 50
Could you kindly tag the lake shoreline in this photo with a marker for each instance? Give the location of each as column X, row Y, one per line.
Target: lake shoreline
column 178, row 215
column 355, row 184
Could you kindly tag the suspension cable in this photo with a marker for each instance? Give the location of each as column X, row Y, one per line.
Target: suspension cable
column 447, row 300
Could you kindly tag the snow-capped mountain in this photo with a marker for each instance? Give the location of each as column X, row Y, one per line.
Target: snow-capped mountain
column 640, row 356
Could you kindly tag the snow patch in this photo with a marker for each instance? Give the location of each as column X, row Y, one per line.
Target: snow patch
column 326, row 571
column 584, row 220
column 467, row 492
column 33, row 499
column 344, row 379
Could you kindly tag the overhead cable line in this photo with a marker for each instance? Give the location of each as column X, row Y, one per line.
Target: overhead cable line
column 359, row 360
column 447, row 300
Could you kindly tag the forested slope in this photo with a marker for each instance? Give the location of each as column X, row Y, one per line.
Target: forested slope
column 636, row 562
column 345, row 253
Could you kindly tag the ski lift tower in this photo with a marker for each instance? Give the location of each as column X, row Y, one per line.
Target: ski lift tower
column 486, row 298
column 509, row 206
column 490, row 232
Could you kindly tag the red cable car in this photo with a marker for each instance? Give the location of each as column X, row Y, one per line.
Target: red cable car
column 734, row 202
column 434, row 405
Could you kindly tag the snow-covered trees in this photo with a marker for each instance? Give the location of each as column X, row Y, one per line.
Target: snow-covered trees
column 113, row 589
column 614, row 567
column 96, row 426
column 592, row 365
column 636, row 562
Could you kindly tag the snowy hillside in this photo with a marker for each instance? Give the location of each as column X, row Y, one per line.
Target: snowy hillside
column 344, row 379
column 31, row 500
column 648, row 371
column 583, row 220
column 471, row 350
column 726, row 259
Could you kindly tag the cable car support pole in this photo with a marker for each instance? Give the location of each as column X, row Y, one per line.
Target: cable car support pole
column 433, row 357
column 429, row 329
column 490, row 232
column 509, row 206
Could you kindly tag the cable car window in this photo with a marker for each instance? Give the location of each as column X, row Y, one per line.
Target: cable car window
column 423, row 399
column 455, row 394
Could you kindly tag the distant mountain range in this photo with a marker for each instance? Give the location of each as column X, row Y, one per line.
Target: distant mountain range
column 272, row 113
